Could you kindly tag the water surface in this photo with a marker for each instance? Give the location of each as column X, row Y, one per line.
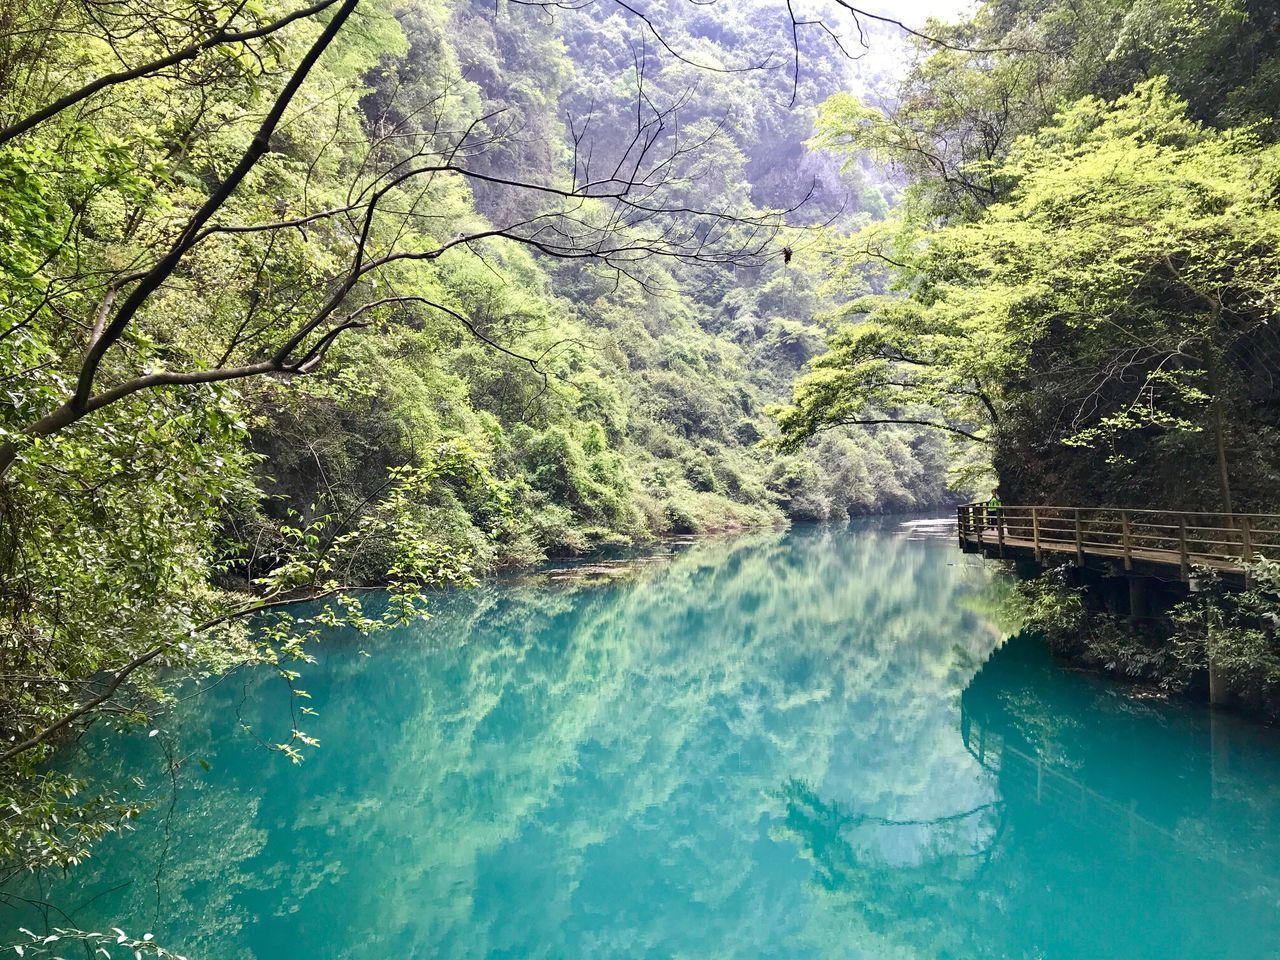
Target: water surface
column 814, row 744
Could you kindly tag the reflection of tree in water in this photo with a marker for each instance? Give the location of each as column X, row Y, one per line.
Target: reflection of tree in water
column 837, row 838
column 900, row 906
column 1124, row 828
column 576, row 769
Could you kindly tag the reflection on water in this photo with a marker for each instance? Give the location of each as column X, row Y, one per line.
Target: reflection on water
column 784, row 745
column 1155, row 824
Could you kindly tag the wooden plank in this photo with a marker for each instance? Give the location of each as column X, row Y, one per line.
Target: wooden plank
column 1115, row 534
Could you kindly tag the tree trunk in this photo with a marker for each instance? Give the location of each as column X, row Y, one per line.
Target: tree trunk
column 1219, row 435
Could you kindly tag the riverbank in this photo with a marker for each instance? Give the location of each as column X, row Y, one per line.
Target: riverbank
column 1218, row 645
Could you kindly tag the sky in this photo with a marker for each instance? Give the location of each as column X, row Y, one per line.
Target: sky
column 886, row 55
column 914, row 12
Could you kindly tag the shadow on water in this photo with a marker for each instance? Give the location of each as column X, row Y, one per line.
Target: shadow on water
column 1159, row 820
column 787, row 744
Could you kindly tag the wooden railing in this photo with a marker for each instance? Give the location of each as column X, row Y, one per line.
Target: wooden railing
column 1175, row 538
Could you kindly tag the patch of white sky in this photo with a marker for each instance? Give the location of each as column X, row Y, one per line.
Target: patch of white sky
column 887, row 51
column 876, row 51
column 914, row 12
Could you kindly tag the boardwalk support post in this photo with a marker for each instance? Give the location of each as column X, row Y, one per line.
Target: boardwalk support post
column 1217, row 685
column 1184, row 561
column 1246, row 546
column 1218, row 689
column 1137, row 598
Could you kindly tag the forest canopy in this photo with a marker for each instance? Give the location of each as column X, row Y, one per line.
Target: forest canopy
column 304, row 302
column 1079, row 286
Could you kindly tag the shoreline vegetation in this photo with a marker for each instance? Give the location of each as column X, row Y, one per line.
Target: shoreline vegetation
column 1234, row 629
column 299, row 298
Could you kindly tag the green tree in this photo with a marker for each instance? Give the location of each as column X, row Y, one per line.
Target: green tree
column 1110, row 310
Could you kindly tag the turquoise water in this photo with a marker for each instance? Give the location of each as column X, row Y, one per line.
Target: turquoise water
column 813, row 744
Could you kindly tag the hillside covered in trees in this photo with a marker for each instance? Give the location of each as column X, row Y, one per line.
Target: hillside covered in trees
column 305, row 300
column 1080, row 286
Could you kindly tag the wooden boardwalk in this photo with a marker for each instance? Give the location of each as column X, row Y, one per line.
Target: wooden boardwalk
column 1156, row 543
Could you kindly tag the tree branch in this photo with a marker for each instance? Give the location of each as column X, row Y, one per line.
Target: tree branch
column 189, row 52
column 909, row 422
column 123, row 674
column 78, row 404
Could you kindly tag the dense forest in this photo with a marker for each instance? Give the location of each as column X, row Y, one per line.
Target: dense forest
column 1080, row 289
column 303, row 302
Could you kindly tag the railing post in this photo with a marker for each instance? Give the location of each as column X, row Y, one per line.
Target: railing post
column 1035, row 531
column 1246, row 544
column 1000, row 518
column 1184, row 560
column 1079, row 538
column 1124, row 533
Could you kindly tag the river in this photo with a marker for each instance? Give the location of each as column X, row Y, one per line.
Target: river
column 829, row 742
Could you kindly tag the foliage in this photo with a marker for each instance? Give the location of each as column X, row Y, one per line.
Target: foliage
column 1063, row 612
column 299, row 302
column 1239, row 630
column 1099, row 327
column 47, row 823
column 116, row 943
